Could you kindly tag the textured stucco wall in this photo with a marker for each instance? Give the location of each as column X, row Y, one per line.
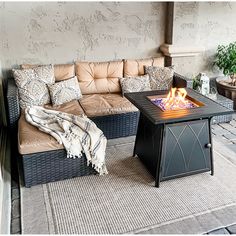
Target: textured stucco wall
column 60, row 32
column 204, row 24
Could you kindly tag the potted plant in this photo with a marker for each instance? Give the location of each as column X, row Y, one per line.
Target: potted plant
column 226, row 61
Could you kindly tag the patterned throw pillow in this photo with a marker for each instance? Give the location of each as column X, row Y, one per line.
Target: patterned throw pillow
column 65, row 91
column 135, row 84
column 161, row 78
column 32, row 85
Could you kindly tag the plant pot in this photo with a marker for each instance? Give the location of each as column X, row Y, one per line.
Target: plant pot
column 225, row 89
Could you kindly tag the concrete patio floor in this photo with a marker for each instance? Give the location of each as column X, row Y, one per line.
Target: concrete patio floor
column 225, row 133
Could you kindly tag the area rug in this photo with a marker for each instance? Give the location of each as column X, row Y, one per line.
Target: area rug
column 126, row 201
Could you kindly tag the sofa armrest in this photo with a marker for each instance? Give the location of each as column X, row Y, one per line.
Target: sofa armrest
column 182, row 82
column 13, row 105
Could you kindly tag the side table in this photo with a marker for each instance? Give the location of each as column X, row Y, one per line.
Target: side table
column 226, row 102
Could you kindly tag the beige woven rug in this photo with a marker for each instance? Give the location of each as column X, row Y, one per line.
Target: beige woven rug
column 126, row 201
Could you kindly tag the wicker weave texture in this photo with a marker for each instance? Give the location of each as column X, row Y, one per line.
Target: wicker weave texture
column 119, row 125
column 52, row 166
column 13, row 105
column 225, row 118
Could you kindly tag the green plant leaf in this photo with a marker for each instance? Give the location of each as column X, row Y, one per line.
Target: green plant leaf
column 225, row 58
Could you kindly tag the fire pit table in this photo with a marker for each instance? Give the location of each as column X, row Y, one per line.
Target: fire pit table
column 176, row 141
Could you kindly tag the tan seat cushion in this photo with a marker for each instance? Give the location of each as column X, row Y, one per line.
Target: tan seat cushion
column 105, row 104
column 61, row 71
column 136, row 67
column 32, row 140
column 99, row 77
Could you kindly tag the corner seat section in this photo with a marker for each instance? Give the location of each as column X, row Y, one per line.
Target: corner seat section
column 112, row 113
column 31, row 140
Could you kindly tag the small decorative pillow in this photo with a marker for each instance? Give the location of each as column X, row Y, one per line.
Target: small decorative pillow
column 32, row 85
column 135, row 84
column 161, row 78
column 65, row 91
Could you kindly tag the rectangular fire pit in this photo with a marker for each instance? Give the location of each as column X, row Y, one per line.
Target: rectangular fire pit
column 174, row 141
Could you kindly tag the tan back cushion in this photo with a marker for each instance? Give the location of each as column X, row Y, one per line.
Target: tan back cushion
column 134, row 68
column 99, row 77
column 61, row 71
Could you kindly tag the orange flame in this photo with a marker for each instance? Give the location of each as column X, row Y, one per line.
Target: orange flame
column 175, row 97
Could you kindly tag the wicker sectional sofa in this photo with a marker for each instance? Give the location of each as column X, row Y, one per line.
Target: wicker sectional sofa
column 42, row 159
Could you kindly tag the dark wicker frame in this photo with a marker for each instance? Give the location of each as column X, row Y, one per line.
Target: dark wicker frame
column 51, row 166
column 224, row 101
column 44, row 167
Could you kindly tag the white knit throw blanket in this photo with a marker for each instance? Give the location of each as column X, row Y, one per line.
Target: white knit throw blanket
column 77, row 133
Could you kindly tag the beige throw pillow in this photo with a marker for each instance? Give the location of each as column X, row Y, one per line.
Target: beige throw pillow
column 32, row 85
column 65, row 91
column 135, row 84
column 161, row 78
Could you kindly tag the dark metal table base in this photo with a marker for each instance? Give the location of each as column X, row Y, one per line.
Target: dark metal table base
column 174, row 150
